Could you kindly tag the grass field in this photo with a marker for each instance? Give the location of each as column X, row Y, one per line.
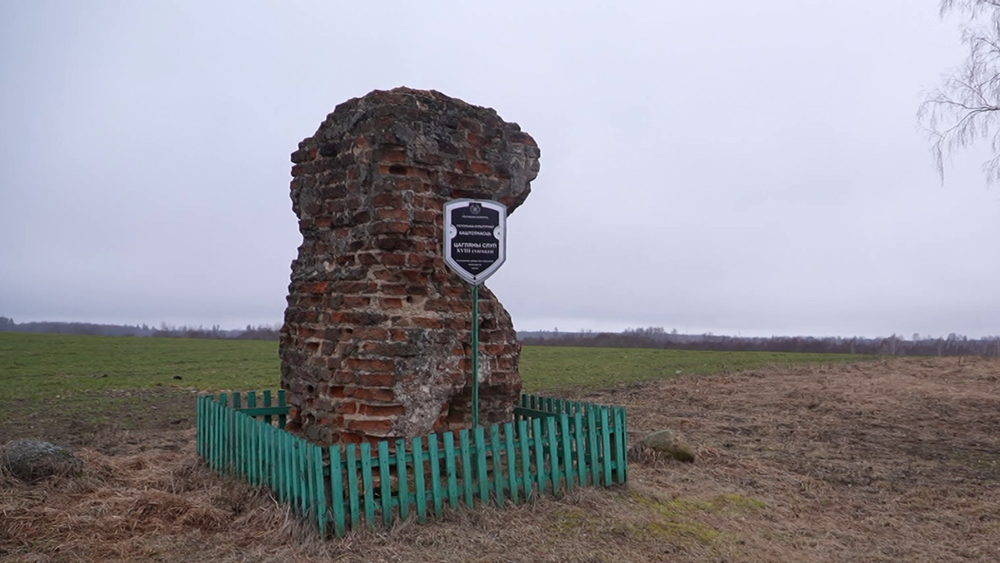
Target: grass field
column 78, row 385
column 808, row 458
column 37, row 366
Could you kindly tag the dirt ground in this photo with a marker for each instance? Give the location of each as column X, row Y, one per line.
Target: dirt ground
column 882, row 461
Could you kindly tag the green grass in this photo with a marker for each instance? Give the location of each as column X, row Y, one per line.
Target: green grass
column 51, row 365
column 73, row 388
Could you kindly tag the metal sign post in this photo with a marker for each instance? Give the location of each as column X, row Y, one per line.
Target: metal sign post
column 475, row 246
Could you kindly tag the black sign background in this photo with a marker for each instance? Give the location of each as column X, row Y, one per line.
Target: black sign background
column 475, row 247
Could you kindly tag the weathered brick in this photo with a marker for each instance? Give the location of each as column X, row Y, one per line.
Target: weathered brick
column 367, row 364
column 384, row 410
column 370, row 426
column 383, row 394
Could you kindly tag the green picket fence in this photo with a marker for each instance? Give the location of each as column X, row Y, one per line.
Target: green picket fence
column 552, row 446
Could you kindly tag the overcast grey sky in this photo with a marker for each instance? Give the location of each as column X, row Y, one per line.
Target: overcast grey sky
column 737, row 167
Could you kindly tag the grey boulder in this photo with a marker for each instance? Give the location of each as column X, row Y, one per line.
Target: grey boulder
column 670, row 443
column 32, row 460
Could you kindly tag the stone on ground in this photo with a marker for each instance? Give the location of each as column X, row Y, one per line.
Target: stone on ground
column 32, row 460
column 671, row 443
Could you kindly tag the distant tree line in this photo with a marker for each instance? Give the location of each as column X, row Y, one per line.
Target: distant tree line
column 251, row 332
column 649, row 337
column 657, row 337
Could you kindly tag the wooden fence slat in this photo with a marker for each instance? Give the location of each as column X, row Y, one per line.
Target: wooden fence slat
column 199, row 426
column 301, row 463
column 621, row 443
column 463, row 446
column 522, row 442
column 265, row 468
column 241, row 430
column 244, row 449
column 536, row 433
column 316, row 488
column 580, row 454
column 206, row 432
column 606, row 444
column 286, row 454
column 553, row 442
column 449, row 467
column 319, row 507
column 249, row 452
column 496, row 464
column 337, row 492
column 273, row 461
column 418, row 479
column 592, row 445
column 404, row 497
column 220, row 434
column 291, row 454
column 216, row 436
column 567, row 452
column 258, row 444
column 241, row 443
column 435, row 461
column 510, row 452
column 482, row 480
column 367, row 482
column 385, row 481
column 223, row 430
column 279, row 465
column 350, row 455
column 267, row 403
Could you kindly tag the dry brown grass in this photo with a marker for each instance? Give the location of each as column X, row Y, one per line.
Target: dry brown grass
column 890, row 461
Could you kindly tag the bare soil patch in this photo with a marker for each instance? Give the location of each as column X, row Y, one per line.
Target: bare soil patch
column 879, row 461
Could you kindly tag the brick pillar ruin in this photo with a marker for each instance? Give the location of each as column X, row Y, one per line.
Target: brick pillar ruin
column 377, row 336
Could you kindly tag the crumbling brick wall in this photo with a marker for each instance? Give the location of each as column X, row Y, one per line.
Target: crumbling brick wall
column 377, row 336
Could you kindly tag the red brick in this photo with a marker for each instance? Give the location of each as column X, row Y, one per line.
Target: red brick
column 381, row 410
column 420, row 261
column 378, row 379
column 390, row 227
column 383, row 394
column 389, row 199
column 393, row 259
column 371, row 333
column 369, row 426
column 345, row 407
column 390, row 302
column 425, row 216
column 394, row 156
column 366, row 364
column 342, row 376
column 427, row 231
column 315, row 287
column 399, row 214
column 355, row 301
column 350, row 437
column 393, row 289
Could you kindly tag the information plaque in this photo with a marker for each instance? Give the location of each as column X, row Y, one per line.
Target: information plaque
column 475, row 237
